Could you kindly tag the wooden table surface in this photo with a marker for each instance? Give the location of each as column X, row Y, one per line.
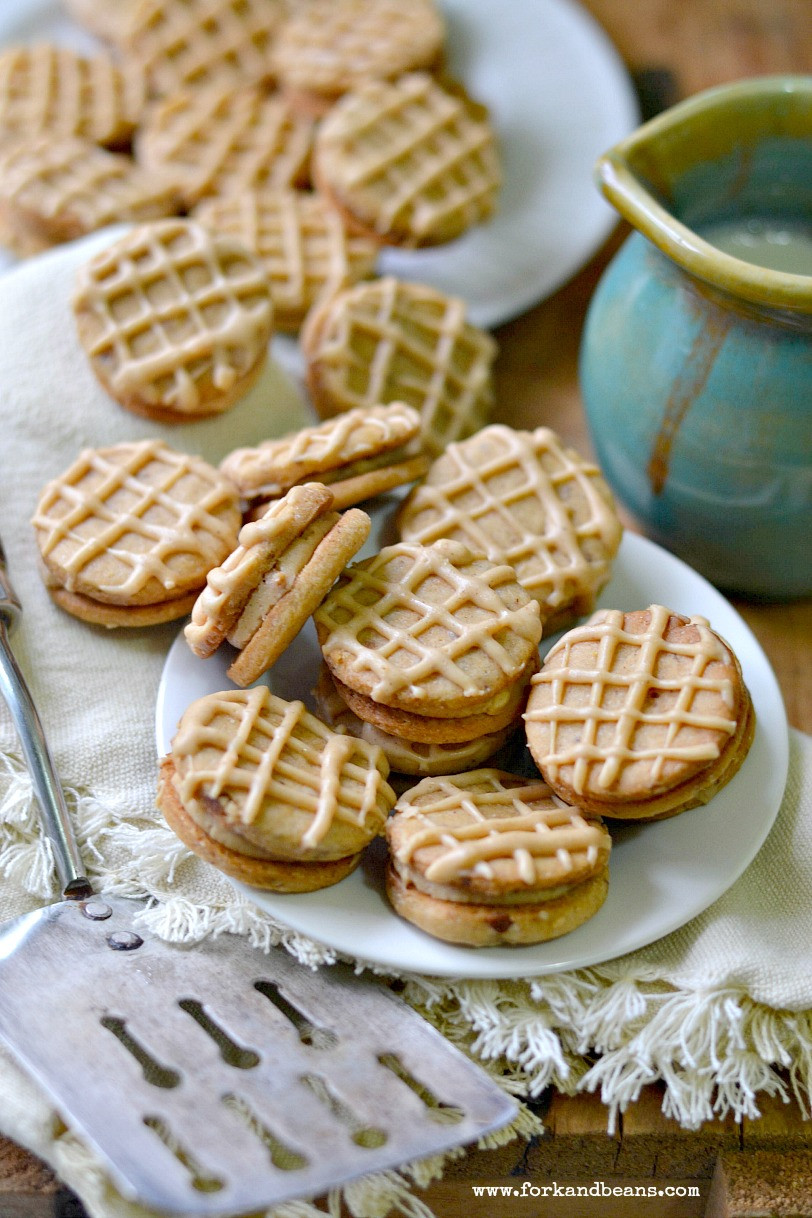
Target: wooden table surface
column 684, row 45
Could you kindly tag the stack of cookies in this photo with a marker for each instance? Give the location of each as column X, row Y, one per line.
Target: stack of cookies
column 430, row 645
column 218, row 97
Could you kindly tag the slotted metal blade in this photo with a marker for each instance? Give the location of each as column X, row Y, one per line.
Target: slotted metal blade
column 216, row 1079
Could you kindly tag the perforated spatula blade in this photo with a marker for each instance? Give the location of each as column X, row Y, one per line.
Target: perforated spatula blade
column 218, row 1079
column 214, row 1079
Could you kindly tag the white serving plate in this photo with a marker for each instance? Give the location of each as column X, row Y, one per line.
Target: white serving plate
column 559, row 96
column 662, row 874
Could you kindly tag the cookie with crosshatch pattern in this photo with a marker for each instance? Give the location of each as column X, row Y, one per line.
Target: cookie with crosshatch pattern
column 407, row 161
column 175, row 320
column 127, row 534
column 639, row 715
column 331, row 46
column 393, row 341
column 358, row 454
column 300, row 239
column 57, row 190
column 526, row 498
column 432, row 630
column 52, row 90
column 266, row 792
column 190, row 44
column 489, row 858
column 223, row 142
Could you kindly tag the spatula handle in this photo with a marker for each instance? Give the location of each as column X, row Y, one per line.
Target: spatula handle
column 55, row 816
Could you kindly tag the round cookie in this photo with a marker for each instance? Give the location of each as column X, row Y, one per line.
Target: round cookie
column 175, row 321
column 264, row 780
column 182, row 44
column 331, row 46
column 524, row 498
column 408, row 162
column 283, row 567
column 225, row 142
column 270, row 874
column 128, row 533
column 393, row 341
column 57, row 190
column 488, row 858
column 429, row 629
column 52, row 90
column 306, row 250
column 405, row 756
column 639, row 715
column 357, row 454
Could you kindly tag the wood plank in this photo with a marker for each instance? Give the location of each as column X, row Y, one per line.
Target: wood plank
column 780, row 1127
column 762, row 1184
column 28, row 1189
column 450, row 1200
column 22, row 1172
column 577, row 1144
column 655, row 1145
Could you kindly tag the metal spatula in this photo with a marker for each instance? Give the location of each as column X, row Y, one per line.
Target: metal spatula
column 215, row 1079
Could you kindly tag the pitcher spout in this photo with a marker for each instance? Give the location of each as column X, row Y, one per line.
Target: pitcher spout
column 722, row 185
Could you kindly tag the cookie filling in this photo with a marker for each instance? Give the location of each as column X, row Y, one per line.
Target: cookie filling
column 452, row 892
column 280, row 579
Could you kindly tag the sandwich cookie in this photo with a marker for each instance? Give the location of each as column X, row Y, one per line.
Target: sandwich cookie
column 175, row 320
column 52, row 90
column 190, row 44
column 58, row 190
column 284, row 565
column 408, row 162
column 525, row 498
column 331, row 46
column 305, row 248
column 128, row 533
column 639, row 715
column 488, row 858
column 393, row 341
column 358, row 454
column 430, row 643
column 221, row 141
column 261, row 789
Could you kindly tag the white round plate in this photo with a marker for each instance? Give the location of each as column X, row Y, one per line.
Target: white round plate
column 662, row 873
column 559, row 96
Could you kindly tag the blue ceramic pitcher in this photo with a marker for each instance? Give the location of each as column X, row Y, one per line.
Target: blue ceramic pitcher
column 696, row 359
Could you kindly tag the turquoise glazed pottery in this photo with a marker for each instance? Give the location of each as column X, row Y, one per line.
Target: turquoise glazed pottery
column 696, row 359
